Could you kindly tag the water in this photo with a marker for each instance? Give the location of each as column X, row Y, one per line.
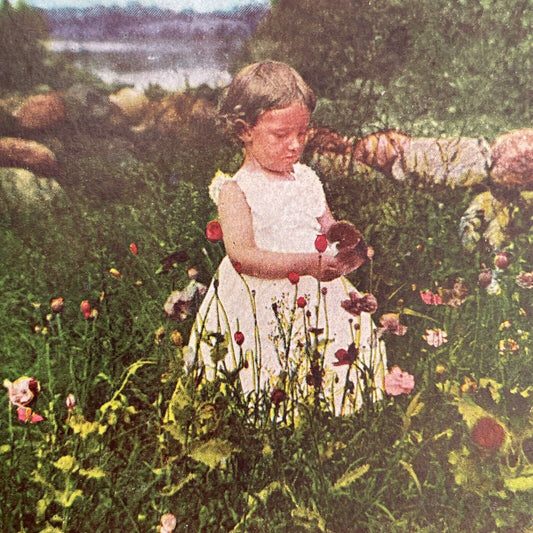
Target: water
column 171, row 64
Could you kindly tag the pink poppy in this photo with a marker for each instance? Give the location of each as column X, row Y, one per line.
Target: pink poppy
column 213, row 231
column 525, row 280
column 435, row 337
column 358, row 304
column 168, row 523
column 484, row 278
column 502, row 260
column 25, row 414
column 398, row 382
column 430, row 298
column 70, row 402
column 391, row 323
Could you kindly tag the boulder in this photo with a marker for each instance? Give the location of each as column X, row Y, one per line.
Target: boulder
column 42, row 112
column 168, row 115
column 512, row 160
column 18, row 185
column 31, row 155
column 131, row 103
column 380, row 150
column 84, row 102
column 455, row 162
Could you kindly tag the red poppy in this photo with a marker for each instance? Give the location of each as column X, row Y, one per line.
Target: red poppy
column 277, row 396
column 346, row 357
column 239, row 337
column 85, row 308
column 294, row 278
column 213, row 231
column 134, row 249
column 488, row 433
column 430, row 298
column 321, row 243
column 25, row 414
column 502, row 260
column 301, row 302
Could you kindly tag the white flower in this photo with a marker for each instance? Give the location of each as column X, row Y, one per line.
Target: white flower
column 216, row 185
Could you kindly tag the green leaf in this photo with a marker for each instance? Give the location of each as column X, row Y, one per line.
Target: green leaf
column 212, row 453
column 350, row 476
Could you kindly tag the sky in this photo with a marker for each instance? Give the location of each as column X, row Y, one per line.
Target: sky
column 177, row 5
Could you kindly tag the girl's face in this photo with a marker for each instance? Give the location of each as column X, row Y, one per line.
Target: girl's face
column 277, row 140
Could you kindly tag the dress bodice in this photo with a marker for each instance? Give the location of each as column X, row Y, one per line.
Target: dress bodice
column 284, row 212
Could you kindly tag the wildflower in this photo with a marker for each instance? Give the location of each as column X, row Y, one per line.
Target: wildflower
column 182, row 304
column 485, row 278
column 506, row 324
column 168, row 523
column 70, row 402
column 277, row 396
column 93, row 314
column 192, row 273
column 85, row 308
column 525, row 280
column 25, row 414
column 502, row 260
column 294, row 278
column 358, row 304
column 398, row 382
column 23, row 391
column 391, row 323
column 370, row 253
column 430, row 298
column 456, row 294
column 159, row 336
column 435, row 337
column 488, row 433
column 440, row 369
column 321, row 243
column 239, row 337
column 301, row 302
column 134, row 249
column 508, row 345
column 346, row 357
column 115, row 273
column 469, row 386
column 213, row 231
column 176, row 338
column 57, row 304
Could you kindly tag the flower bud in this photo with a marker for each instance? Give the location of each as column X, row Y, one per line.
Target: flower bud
column 239, row 337
column 134, row 249
column 70, row 402
column 85, row 308
column 57, row 304
column 321, row 243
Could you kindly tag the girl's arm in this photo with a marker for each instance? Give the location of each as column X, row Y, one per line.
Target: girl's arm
column 236, row 220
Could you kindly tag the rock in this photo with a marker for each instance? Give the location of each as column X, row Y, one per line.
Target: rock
column 381, row 150
column 168, row 115
column 42, row 112
column 456, row 162
column 84, row 102
column 31, row 155
column 131, row 103
column 20, row 185
column 512, row 159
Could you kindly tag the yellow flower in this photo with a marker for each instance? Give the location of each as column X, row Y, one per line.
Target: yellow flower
column 115, row 273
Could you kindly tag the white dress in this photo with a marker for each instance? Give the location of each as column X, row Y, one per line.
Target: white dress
column 285, row 347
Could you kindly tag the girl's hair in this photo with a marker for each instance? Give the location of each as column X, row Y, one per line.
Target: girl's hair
column 262, row 87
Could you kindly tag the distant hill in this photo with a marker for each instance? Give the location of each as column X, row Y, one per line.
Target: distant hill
column 139, row 22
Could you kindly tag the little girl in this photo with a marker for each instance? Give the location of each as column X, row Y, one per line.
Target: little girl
column 290, row 322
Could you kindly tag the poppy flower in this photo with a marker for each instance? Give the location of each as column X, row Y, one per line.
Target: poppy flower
column 57, row 304
column 398, row 382
column 168, row 523
column 484, row 278
column 85, row 308
column 358, row 304
column 239, row 337
column 23, row 391
column 277, row 396
column 70, row 402
column 25, row 414
column 502, row 260
column 301, row 302
column 435, row 337
column 213, row 231
column 346, row 357
column 525, row 280
column 134, row 249
column 321, row 243
column 344, row 234
column 294, row 278
column 488, row 433
column 430, row 298
column 391, row 323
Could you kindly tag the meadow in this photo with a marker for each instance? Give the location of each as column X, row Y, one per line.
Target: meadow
column 84, row 281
